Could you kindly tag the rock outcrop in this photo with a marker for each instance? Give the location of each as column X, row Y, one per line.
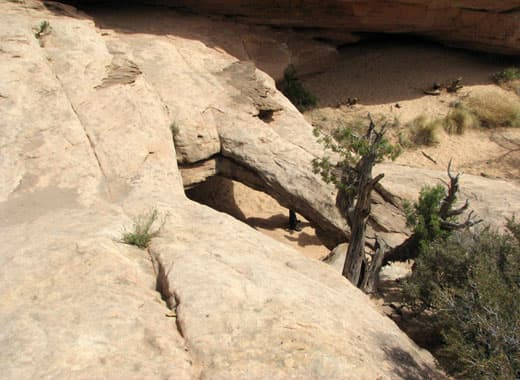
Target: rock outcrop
column 488, row 25
column 86, row 147
column 225, row 111
column 256, row 135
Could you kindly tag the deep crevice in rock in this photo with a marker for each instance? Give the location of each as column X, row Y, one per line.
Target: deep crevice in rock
column 163, row 288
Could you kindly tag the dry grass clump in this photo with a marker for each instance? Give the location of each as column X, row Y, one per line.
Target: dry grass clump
column 514, row 85
column 460, row 119
column 421, row 131
column 142, row 233
column 495, row 109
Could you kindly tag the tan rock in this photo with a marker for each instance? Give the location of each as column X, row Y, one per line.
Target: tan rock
column 78, row 303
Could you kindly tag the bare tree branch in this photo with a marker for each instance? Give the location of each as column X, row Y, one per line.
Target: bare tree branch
column 451, row 226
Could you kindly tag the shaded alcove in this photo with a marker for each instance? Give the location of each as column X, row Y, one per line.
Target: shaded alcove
column 386, row 68
column 258, row 210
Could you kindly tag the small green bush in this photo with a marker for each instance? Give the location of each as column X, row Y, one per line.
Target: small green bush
column 424, row 217
column 142, row 234
column 470, row 283
column 424, row 131
column 43, row 29
column 506, row 75
column 460, row 119
column 294, row 90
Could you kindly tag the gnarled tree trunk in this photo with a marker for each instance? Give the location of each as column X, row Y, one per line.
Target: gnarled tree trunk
column 357, row 207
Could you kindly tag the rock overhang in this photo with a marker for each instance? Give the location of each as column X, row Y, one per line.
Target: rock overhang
column 490, row 26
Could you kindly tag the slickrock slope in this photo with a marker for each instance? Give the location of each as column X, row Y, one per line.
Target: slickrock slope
column 225, row 110
column 488, row 25
column 232, row 121
column 85, row 147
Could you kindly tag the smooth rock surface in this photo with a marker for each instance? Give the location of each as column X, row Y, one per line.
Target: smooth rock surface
column 246, row 119
column 86, row 147
column 77, row 303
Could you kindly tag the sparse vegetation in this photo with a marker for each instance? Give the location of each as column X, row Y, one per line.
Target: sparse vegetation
column 495, row 109
column 433, row 217
column 352, row 176
column 460, row 119
column 142, row 233
column 507, row 75
column 43, row 29
column 423, row 131
column 470, row 285
column 294, row 90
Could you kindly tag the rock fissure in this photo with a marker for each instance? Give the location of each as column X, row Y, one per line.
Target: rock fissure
column 162, row 286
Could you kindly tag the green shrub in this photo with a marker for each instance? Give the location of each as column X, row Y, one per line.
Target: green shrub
column 471, row 285
column 142, row 234
column 506, row 75
column 294, row 90
column 43, row 29
column 424, row 131
column 424, row 217
column 460, row 119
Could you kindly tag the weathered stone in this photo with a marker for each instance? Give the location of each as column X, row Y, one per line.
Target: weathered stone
column 80, row 162
column 76, row 302
column 199, row 172
column 269, row 143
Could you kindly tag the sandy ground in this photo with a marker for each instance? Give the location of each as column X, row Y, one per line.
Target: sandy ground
column 260, row 211
column 388, row 78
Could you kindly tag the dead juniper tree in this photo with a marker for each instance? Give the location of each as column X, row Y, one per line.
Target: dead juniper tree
column 351, row 173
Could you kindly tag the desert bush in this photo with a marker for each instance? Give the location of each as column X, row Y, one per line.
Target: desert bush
column 423, row 131
column 470, row 283
column 506, row 75
column 460, row 119
column 294, row 90
column 43, row 29
column 424, row 217
column 495, row 109
column 142, row 233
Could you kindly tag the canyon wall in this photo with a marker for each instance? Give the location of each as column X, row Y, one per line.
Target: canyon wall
column 487, row 25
